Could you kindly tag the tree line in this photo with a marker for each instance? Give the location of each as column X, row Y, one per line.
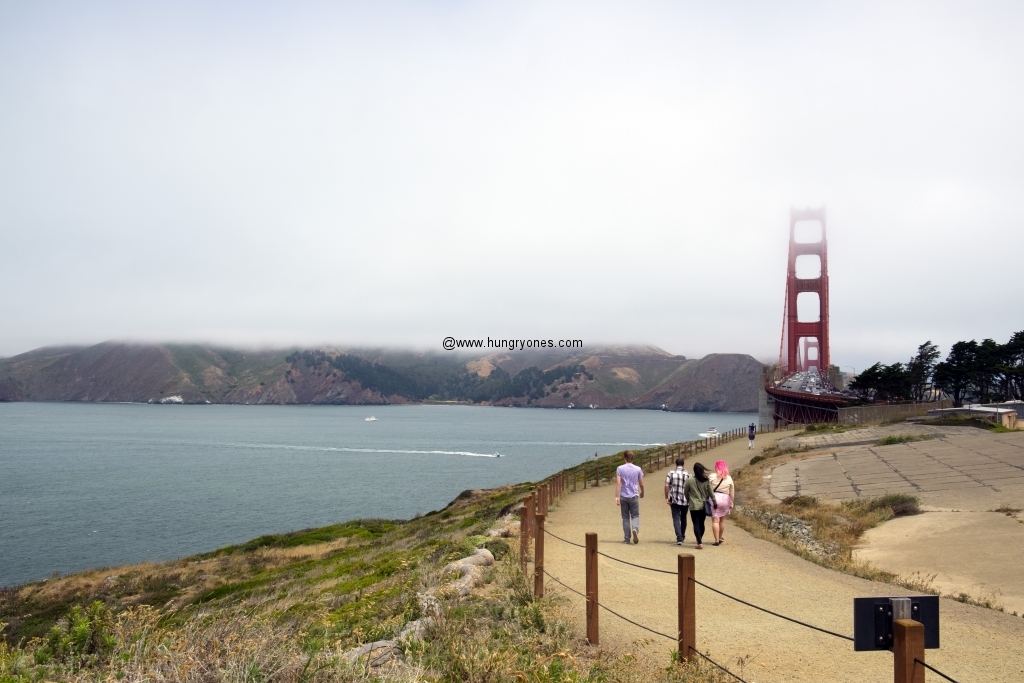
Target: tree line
column 973, row 372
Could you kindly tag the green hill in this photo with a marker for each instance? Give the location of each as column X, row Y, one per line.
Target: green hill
column 600, row 377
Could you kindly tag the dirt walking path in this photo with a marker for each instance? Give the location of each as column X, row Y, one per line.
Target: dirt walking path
column 977, row 644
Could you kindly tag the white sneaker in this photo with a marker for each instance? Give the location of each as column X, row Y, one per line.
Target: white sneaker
column 635, row 538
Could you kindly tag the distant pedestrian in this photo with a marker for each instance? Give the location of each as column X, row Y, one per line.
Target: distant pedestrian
column 724, row 490
column 698, row 491
column 751, row 433
column 629, row 489
column 675, row 496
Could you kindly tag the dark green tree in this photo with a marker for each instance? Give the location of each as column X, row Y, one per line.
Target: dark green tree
column 920, row 369
column 1013, row 357
column 988, row 372
column 956, row 375
column 883, row 383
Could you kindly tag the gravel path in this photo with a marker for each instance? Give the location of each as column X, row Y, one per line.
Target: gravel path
column 977, row 644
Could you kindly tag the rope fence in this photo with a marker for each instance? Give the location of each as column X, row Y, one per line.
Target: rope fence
column 933, row 670
column 638, row 625
column 532, row 516
column 713, row 589
column 701, row 654
column 774, row 614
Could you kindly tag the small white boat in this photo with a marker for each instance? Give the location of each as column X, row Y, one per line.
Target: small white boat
column 710, row 434
column 370, row 419
column 497, row 455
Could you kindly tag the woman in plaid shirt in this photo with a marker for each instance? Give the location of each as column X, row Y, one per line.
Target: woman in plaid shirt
column 675, row 496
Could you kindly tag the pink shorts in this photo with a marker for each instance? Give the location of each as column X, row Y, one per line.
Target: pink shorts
column 723, row 505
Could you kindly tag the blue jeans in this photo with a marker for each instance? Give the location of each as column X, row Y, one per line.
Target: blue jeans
column 679, row 520
column 630, row 509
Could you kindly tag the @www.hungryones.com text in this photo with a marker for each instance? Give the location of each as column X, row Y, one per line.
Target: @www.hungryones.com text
column 451, row 343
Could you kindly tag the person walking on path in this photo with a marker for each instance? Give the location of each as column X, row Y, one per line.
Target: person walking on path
column 724, row 491
column 698, row 492
column 629, row 489
column 751, row 433
column 675, row 496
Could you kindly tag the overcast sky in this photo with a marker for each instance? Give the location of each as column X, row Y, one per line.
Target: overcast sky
column 393, row 173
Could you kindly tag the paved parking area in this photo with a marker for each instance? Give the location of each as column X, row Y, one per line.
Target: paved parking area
column 956, row 470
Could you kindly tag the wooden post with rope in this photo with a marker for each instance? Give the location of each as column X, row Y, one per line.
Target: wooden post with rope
column 593, row 636
column 907, row 646
column 687, row 607
column 538, row 559
column 524, row 539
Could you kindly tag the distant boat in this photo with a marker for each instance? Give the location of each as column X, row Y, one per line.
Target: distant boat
column 497, row 455
column 710, row 434
column 370, row 419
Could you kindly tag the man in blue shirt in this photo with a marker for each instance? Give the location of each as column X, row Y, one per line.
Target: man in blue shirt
column 629, row 489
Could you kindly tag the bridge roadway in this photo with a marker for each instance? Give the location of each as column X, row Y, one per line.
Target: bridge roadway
column 978, row 644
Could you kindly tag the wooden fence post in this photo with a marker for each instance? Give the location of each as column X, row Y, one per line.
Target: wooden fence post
column 593, row 636
column 687, row 608
column 538, row 559
column 542, row 505
column 907, row 645
column 524, row 539
column 531, row 507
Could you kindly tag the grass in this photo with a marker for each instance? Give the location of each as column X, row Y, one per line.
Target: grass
column 773, row 451
column 894, row 439
column 825, row 428
column 961, row 421
column 1007, row 510
column 286, row 607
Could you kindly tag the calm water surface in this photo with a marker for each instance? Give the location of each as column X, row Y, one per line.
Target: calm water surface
column 87, row 485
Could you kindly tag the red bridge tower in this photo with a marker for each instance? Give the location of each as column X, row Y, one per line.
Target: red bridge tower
column 803, row 339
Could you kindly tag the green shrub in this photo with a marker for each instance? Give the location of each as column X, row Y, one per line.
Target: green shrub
column 498, row 548
column 801, row 501
column 894, row 439
column 81, row 639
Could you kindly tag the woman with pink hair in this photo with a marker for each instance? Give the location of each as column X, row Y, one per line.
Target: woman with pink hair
column 724, row 492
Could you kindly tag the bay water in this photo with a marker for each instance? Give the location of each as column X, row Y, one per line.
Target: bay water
column 95, row 485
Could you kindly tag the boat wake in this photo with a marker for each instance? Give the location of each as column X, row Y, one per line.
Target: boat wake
column 592, row 443
column 344, row 449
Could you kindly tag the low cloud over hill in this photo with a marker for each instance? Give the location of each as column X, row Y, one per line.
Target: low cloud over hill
column 603, row 377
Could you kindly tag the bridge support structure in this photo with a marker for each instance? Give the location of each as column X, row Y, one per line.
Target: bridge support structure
column 800, row 337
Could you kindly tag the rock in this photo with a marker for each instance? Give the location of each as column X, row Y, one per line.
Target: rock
column 415, row 630
column 792, row 528
column 376, row 654
column 508, row 531
column 481, row 558
column 469, row 569
column 429, row 605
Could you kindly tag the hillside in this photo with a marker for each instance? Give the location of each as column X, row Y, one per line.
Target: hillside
column 602, row 377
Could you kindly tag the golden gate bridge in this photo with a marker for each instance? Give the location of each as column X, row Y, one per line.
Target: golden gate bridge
column 802, row 388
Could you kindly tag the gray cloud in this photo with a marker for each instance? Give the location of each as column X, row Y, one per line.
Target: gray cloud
column 266, row 174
